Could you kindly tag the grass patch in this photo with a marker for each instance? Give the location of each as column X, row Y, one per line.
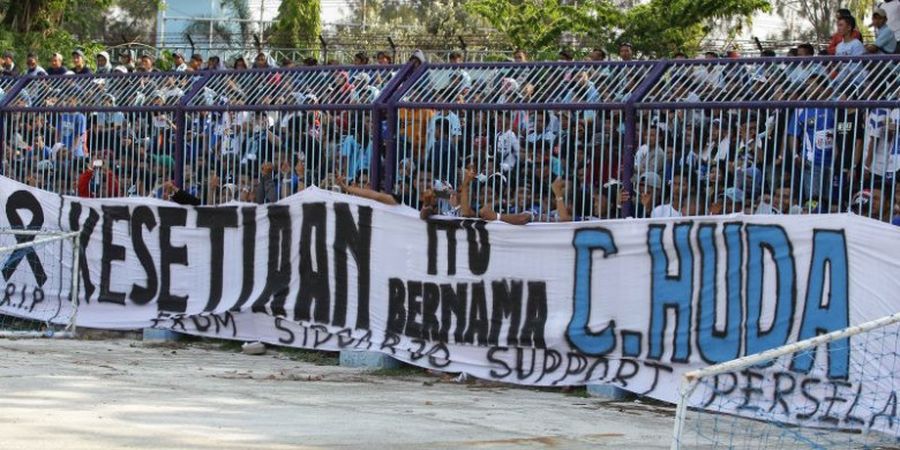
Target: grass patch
column 316, row 357
column 404, row 370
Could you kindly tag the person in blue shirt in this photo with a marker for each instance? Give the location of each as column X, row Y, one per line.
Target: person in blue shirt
column 72, row 132
column 885, row 41
column 812, row 131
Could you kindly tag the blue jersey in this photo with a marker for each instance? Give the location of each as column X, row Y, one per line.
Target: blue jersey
column 71, row 129
column 815, row 128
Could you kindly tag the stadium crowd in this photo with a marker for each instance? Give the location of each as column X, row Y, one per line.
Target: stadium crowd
column 501, row 164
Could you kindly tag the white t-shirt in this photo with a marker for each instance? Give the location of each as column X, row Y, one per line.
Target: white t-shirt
column 892, row 9
column 664, row 211
column 883, row 139
column 852, row 48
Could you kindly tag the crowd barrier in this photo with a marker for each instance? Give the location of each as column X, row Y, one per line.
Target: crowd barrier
column 556, row 141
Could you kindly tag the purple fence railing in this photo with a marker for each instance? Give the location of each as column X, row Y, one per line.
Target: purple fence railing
column 552, row 141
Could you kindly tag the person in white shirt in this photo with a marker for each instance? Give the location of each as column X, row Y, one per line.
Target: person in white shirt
column 850, row 46
column 892, row 9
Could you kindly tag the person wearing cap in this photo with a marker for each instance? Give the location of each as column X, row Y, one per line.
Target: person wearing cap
column 839, row 37
column 885, row 40
column 56, row 65
column 103, row 63
column 78, row 66
column 626, row 51
column 8, row 65
column 196, row 63
column 33, row 68
column 178, row 62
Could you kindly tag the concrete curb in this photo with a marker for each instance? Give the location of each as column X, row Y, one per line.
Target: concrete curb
column 607, row 392
column 160, row 335
column 367, row 360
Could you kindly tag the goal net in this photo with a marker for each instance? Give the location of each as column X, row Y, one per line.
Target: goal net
column 837, row 390
column 38, row 297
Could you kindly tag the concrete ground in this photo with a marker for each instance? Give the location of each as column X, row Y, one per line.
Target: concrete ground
column 122, row 394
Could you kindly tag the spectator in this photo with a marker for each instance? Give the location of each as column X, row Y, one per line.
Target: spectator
column 103, row 64
column 33, row 68
column 126, row 62
column 455, row 57
column 72, row 131
column 56, row 65
column 97, row 182
column 261, row 61
column 851, row 44
column 882, row 152
column 812, row 130
column 598, row 54
column 520, row 56
column 892, row 9
column 178, row 195
column 363, row 91
column 839, row 36
column 179, row 64
column 78, row 66
column 287, row 62
column 146, row 65
column 265, row 190
column 626, row 51
column 885, row 39
column 214, row 63
column 240, row 63
column 418, row 58
column 196, row 63
column 8, row 65
column 310, row 62
column 360, row 59
column 565, row 55
column 383, row 58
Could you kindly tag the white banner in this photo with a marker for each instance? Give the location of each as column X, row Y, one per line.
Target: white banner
column 634, row 303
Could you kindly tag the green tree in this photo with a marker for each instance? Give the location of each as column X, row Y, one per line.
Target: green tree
column 298, row 24
column 535, row 25
column 656, row 28
column 240, row 35
column 819, row 15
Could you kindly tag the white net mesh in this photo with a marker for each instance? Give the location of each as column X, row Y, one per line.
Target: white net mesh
column 36, row 295
column 838, row 391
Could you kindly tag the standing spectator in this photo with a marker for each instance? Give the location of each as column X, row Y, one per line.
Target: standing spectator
column 882, row 158
column 126, row 61
column 520, row 56
column 196, row 63
column 97, row 182
column 418, row 58
column 892, row 9
column 812, row 130
column 103, row 65
column 8, row 65
column 240, row 63
column 146, row 65
column 214, row 63
column 626, row 51
column 363, row 91
column 360, row 59
column 838, row 37
column 78, row 66
column 261, row 61
column 455, row 57
column 851, row 45
column 885, row 40
column 71, row 131
column 56, row 65
column 383, row 58
column 597, row 54
column 265, row 190
column 179, row 64
column 33, row 68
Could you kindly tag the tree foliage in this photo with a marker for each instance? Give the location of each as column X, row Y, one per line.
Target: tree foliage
column 298, row 24
column 656, row 28
column 820, row 14
column 433, row 18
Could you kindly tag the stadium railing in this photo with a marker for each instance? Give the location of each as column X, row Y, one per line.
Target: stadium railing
column 564, row 141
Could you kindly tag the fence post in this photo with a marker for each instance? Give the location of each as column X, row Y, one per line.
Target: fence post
column 12, row 93
column 324, row 50
column 390, row 158
column 181, row 129
column 378, row 123
column 631, row 131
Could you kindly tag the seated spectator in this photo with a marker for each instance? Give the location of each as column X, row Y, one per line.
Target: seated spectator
column 885, row 39
column 239, row 63
column 383, row 58
column 78, row 66
column 126, row 62
column 360, row 59
column 196, row 63
column 626, row 51
column 146, row 64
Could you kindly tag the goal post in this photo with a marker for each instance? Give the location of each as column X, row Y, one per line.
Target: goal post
column 40, row 272
column 806, row 408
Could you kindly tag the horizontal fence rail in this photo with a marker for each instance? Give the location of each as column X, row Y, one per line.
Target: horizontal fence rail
column 522, row 141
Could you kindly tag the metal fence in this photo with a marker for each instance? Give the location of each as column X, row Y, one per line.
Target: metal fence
column 553, row 141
